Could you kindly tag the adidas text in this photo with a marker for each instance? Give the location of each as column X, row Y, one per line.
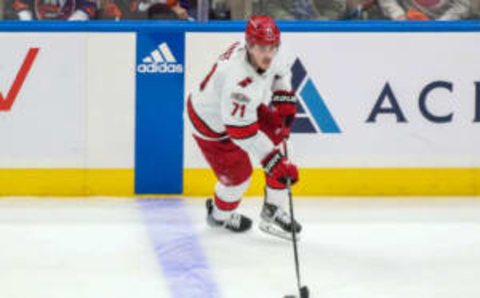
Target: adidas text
column 160, row 68
column 160, row 60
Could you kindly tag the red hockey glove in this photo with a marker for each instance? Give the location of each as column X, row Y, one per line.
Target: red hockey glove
column 271, row 124
column 285, row 104
column 268, row 116
column 278, row 169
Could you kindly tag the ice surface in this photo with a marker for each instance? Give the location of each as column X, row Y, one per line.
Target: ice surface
column 350, row 248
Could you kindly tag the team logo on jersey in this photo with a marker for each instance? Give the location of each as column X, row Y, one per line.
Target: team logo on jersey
column 160, row 60
column 240, row 97
column 313, row 114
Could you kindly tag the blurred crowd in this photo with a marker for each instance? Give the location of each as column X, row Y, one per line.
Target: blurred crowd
column 203, row 10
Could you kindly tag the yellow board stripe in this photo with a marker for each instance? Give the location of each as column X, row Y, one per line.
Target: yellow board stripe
column 66, row 182
column 200, row 182
column 361, row 181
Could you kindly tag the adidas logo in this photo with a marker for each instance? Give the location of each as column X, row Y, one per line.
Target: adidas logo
column 160, row 60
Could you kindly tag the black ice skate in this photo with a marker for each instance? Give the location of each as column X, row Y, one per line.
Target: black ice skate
column 277, row 222
column 236, row 222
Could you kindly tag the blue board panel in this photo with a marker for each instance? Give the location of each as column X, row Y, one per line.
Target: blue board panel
column 159, row 121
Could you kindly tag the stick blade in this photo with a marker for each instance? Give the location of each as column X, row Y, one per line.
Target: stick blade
column 304, row 293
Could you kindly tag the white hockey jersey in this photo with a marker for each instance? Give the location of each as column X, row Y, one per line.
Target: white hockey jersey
column 224, row 105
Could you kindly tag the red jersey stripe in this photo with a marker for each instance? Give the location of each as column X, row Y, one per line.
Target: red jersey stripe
column 243, row 132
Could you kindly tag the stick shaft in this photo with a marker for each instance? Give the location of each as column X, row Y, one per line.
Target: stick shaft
column 292, row 218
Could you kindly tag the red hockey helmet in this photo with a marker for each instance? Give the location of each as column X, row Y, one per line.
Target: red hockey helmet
column 262, row 30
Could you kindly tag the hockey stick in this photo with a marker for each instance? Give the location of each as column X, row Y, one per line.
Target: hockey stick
column 303, row 290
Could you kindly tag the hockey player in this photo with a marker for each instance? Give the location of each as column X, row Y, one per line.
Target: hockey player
column 240, row 112
column 72, row 10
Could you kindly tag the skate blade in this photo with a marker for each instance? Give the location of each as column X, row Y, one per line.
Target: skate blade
column 273, row 230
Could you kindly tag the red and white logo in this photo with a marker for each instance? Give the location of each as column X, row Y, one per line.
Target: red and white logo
column 7, row 101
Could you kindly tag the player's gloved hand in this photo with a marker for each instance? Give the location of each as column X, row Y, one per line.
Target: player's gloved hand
column 278, row 169
column 268, row 116
column 285, row 104
column 271, row 123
